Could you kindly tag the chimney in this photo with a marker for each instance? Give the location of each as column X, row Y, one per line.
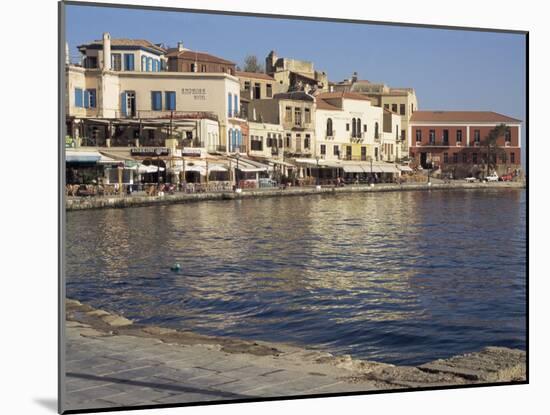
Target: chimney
column 67, row 57
column 180, row 46
column 106, row 51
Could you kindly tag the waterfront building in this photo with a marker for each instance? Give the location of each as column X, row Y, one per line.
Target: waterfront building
column 256, row 85
column 102, row 92
column 181, row 59
column 347, row 127
column 401, row 101
column 453, row 141
column 266, row 140
column 295, row 74
column 294, row 112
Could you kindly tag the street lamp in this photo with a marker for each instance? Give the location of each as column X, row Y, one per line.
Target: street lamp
column 158, row 152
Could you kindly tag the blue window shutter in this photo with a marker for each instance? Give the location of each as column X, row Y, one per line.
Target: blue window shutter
column 78, row 97
column 123, row 103
column 86, row 98
column 149, row 64
column 143, row 64
column 125, row 63
column 131, row 62
column 156, row 100
column 229, row 103
column 236, row 109
column 92, row 98
column 170, row 100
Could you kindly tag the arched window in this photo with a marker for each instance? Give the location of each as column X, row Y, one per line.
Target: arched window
column 359, row 127
column 329, row 127
column 353, row 128
column 376, row 130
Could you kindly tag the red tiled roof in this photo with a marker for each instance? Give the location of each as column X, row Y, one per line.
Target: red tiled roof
column 258, row 75
column 127, row 42
column 199, row 56
column 342, row 94
column 323, row 105
column 461, row 116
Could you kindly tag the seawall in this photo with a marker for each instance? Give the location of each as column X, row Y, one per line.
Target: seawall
column 106, row 202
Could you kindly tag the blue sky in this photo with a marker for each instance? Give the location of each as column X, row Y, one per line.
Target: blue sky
column 449, row 69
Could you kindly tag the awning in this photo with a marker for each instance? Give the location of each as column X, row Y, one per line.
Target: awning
column 82, row 156
column 216, row 168
column 405, row 168
column 199, row 169
column 389, row 168
column 251, row 169
column 353, row 169
column 142, row 168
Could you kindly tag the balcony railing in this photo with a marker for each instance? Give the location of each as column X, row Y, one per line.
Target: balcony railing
column 237, row 149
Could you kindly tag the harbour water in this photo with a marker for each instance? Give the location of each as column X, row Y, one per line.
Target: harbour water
column 400, row 277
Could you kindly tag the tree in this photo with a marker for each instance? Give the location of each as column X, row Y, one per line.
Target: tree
column 251, row 64
column 494, row 150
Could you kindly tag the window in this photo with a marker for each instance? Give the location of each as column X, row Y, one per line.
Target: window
column 268, row 90
column 90, row 62
column 359, row 127
column 257, row 91
column 477, row 136
column 347, row 127
column 446, row 137
column 376, row 130
column 306, row 141
column 432, row 137
column 229, row 104
column 90, row 98
column 297, row 116
column 353, row 128
column 280, row 141
column 403, row 135
column 445, row 157
column 336, row 150
column 508, row 135
column 329, row 127
column 402, row 109
column 269, row 142
column 247, row 85
column 203, row 68
column 464, row 157
column 256, row 143
column 455, row 158
column 144, row 64
column 78, row 98
column 192, row 67
column 128, row 104
column 512, row 157
column 396, row 132
column 288, row 114
column 459, row 136
column 323, row 149
column 387, row 106
column 363, row 153
column 149, row 64
column 394, row 107
column 412, row 108
column 156, row 100
column 288, row 137
column 170, row 100
column 307, row 115
column 474, row 158
column 418, row 136
column 116, row 62
column 365, row 128
column 128, row 61
column 236, row 107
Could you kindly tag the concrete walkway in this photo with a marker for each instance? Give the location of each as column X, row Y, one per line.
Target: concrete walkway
column 111, row 362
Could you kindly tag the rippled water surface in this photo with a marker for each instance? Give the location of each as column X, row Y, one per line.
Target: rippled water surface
column 396, row 277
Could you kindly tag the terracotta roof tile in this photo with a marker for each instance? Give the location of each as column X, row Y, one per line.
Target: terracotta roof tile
column 127, row 42
column 200, row 56
column 323, row 105
column 258, row 75
column 461, row 116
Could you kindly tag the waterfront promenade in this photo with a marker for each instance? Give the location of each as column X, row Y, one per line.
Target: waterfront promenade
column 111, row 362
column 83, row 203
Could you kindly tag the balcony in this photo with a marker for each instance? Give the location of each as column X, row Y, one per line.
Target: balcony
column 274, row 151
column 237, row 149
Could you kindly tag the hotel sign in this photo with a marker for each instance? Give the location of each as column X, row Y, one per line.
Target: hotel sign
column 199, row 94
column 149, row 151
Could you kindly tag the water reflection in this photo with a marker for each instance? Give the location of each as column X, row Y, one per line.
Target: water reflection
column 399, row 277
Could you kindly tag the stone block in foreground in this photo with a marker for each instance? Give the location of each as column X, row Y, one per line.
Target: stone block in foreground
column 492, row 364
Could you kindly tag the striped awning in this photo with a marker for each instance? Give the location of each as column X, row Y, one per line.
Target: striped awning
column 72, row 156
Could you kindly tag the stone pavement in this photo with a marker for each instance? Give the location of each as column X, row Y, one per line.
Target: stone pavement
column 111, row 362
